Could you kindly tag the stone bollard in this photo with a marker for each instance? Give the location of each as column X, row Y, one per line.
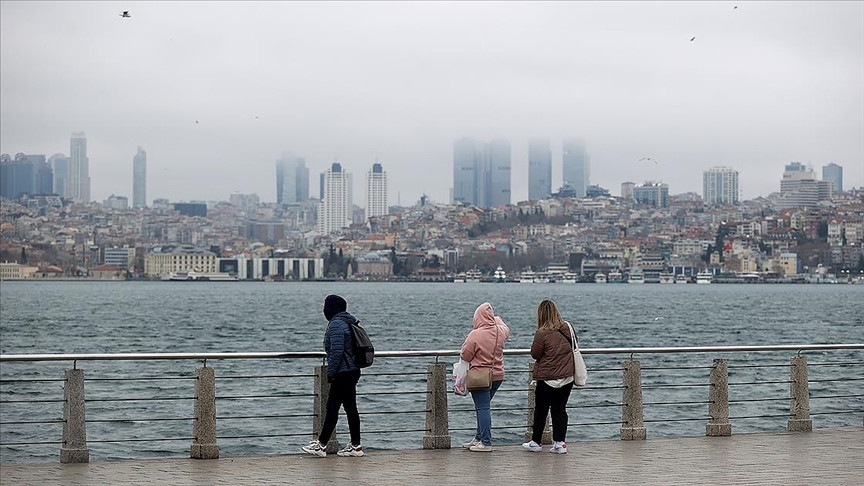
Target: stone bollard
column 204, row 444
column 799, row 392
column 437, row 434
column 718, row 400
column 632, row 420
column 322, row 392
column 74, row 448
column 532, row 405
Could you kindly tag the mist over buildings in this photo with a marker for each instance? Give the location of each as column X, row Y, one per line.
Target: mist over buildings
column 217, row 92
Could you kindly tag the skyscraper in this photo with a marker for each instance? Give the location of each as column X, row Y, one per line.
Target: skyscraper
column 499, row 173
column 292, row 179
column 834, row 173
column 465, row 161
column 139, row 179
column 78, row 181
column 539, row 169
column 376, row 192
column 59, row 164
column 43, row 176
column 720, row 186
column 576, row 165
column 334, row 210
column 799, row 187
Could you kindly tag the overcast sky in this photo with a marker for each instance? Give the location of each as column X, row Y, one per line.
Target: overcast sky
column 761, row 85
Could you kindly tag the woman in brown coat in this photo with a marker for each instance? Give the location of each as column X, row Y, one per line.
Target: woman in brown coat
column 553, row 371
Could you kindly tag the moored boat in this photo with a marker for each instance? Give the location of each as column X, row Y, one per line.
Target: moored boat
column 600, row 278
column 667, row 278
column 704, row 277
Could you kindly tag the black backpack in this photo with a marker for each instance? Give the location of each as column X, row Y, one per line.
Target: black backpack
column 364, row 352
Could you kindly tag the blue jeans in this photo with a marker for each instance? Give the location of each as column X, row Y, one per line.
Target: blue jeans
column 482, row 400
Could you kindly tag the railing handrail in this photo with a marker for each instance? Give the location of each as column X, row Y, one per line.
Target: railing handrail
column 417, row 353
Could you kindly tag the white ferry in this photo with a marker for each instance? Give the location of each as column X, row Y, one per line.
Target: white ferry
column 460, row 278
column 527, row 277
column 704, row 277
column 200, row 277
column 473, row 276
column 681, row 278
column 615, row 277
column 500, row 276
column 600, row 278
column 636, row 277
column 569, row 277
column 667, row 278
column 541, row 277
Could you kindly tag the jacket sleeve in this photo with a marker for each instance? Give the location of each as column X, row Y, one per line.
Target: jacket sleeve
column 468, row 349
column 337, row 347
column 537, row 348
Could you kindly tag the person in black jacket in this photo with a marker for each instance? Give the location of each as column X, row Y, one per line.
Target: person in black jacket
column 343, row 375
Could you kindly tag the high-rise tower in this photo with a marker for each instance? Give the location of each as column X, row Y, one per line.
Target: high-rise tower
column 539, row 169
column 376, row 192
column 334, row 211
column 292, row 179
column 60, row 166
column 499, row 173
column 576, row 166
column 78, row 181
column 139, row 179
column 465, row 161
column 834, row 173
column 720, row 186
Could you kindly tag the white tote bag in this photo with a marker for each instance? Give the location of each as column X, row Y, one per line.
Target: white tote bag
column 580, row 372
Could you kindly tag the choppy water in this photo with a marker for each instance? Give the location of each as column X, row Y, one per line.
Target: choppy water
column 121, row 317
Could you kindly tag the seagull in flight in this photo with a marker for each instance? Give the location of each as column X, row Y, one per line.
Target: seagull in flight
column 126, row 14
column 649, row 159
column 693, row 38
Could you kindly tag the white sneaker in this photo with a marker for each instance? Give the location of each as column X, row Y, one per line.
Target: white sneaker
column 471, row 444
column 532, row 446
column 480, row 448
column 558, row 448
column 351, row 450
column 315, row 448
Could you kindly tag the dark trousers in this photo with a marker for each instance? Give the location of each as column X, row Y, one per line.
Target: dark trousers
column 343, row 392
column 547, row 397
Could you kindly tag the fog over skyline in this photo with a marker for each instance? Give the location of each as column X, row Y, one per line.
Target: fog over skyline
column 760, row 86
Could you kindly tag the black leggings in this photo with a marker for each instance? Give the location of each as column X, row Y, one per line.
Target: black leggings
column 547, row 397
column 343, row 392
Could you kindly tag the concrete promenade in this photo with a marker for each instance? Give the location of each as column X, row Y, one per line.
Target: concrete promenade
column 827, row 456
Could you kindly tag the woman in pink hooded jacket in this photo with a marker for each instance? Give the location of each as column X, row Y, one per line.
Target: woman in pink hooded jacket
column 484, row 348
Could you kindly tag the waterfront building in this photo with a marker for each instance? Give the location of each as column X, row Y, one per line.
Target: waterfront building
column 539, row 169
column 78, row 181
column 16, row 271
column 292, row 179
column 335, row 209
column 59, row 164
column 139, row 179
column 121, row 257
column 376, row 192
column 652, row 193
column 499, row 173
column 163, row 260
column 576, row 164
column 834, row 173
column 255, row 268
column 374, row 266
column 720, row 186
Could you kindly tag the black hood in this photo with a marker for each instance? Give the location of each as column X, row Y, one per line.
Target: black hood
column 333, row 305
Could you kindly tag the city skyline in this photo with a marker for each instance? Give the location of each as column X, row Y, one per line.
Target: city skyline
column 386, row 84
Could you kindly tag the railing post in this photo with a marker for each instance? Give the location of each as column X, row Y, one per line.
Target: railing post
column 322, row 392
column 204, row 444
column 718, row 400
column 74, row 448
column 632, row 420
column 799, row 392
column 437, row 434
column 532, row 405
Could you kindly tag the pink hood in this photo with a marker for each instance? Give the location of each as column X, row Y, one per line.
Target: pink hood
column 481, row 342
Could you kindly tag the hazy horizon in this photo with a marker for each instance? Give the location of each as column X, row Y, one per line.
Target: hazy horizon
column 215, row 92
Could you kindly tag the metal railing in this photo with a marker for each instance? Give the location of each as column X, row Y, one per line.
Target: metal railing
column 139, row 406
